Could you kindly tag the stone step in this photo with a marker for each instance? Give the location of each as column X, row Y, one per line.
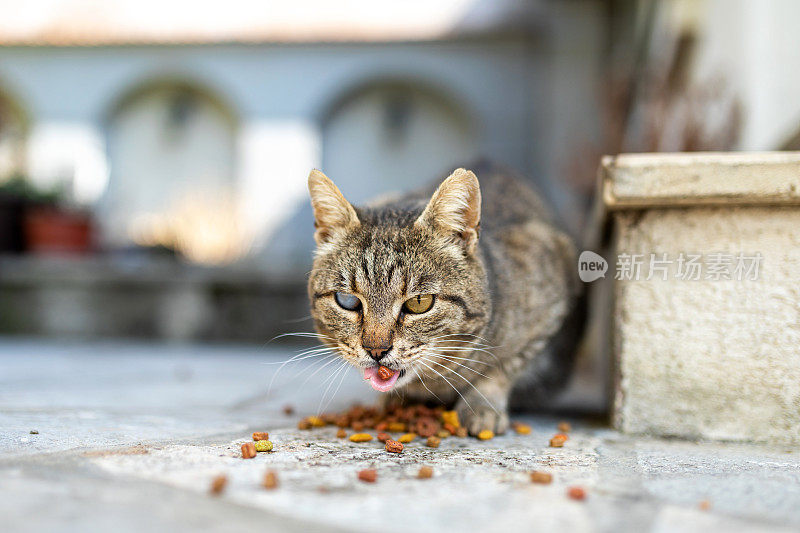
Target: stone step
column 704, row 255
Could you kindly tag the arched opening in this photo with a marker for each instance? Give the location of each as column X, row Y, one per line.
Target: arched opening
column 379, row 138
column 14, row 126
column 390, row 136
column 172, row 154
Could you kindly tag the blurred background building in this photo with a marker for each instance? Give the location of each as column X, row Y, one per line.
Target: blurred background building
column 154, row 155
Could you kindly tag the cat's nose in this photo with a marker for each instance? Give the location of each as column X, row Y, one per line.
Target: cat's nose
column 379, row 352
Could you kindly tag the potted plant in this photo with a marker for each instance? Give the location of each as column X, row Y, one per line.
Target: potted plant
column 39, row 220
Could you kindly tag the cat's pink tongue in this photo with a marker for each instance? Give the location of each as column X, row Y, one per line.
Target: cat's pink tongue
column 377, row 383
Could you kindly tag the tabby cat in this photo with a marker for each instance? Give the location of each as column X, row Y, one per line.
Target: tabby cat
column 463, row 295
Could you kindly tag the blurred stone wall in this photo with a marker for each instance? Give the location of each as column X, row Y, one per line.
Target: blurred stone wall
column 153, row 299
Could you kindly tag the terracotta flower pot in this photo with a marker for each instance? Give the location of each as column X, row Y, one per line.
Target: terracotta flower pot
column 53, row 230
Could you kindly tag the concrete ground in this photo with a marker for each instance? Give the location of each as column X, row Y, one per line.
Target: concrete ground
column 130, row 436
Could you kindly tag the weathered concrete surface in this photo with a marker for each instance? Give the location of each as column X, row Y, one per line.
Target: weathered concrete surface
column 141, row 456
column 711, row 358
column 692, row 179
column 714, row 356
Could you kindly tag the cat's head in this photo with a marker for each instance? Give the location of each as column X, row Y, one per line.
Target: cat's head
column 399, row 285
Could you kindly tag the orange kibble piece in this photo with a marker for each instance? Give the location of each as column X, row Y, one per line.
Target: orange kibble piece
column 393, row 446
column 397, row 427
column 557, row 441
column 408, row 437
column 425, row 472
column 218, row 484
column 270, row 480
column 451, row 417
column 316, row 421
column 341, row 433
column 543, row 478
column 261, row 435
column 522, row 429
column 576, row 493
column 360, row 437
column 384, row 373
column 486, row 434
column 368, row 476
column 564, row 427
column 248, row 450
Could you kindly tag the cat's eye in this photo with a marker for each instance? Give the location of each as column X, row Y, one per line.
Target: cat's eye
column 347, row 301
column 418, row 304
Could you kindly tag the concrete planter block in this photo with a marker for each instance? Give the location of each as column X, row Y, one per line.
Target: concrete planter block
column 716, row 357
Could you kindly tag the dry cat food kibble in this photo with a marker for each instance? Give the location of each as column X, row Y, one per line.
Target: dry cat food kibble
column 261, row 435
column 218, row 484
column 397, row 427
column 408, row 437
column 564, row 427
column 576, row 493
column 270, row 480
column 248, row 450
column 384, row 373
column 558, row 441
column 393, row 446
column 427, row 427
column 425, row 472
column 433, row 442
column 263, row 446
column 383, row 437
column 288, row 410
column 543, row 478
column 417, row 420
column 522, row 429
column 368, row 476
column 486, row 434
column 316, row 421
column 704, row 505
column 340, row 433
column 451, row 417
column 360, row 437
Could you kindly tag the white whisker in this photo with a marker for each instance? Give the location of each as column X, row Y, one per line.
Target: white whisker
column 317, row 371
column 446, row 380
column 341, row 380
column 468, row 383
column 332, row 379
column 433, row 350
column 295, row 359
column 426, row 387
column 459, row 364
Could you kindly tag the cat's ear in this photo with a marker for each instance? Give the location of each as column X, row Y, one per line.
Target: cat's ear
column 332, row 213
column 455, row 208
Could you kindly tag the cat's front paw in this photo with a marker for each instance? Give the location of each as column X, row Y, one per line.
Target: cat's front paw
column 478, row 416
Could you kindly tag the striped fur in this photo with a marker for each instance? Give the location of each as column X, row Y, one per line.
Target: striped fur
column 503, row 274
